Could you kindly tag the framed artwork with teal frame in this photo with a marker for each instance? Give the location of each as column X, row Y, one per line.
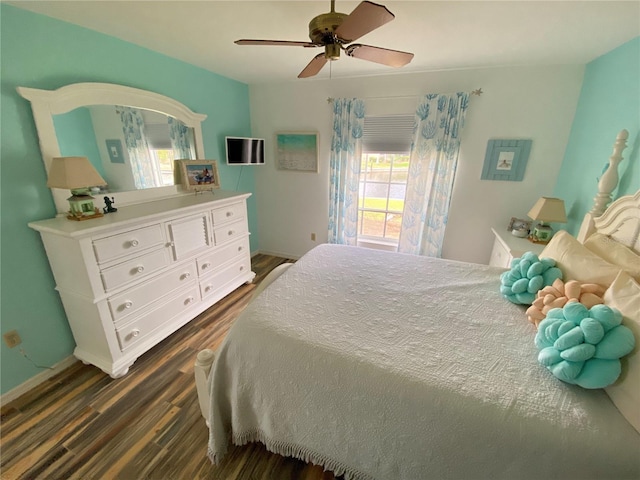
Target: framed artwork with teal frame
column 506, row 160
column 114, row 148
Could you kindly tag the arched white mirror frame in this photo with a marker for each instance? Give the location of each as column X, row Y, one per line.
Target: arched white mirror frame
column 47, row 103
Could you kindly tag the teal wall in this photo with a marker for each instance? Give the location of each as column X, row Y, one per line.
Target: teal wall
column 40, row 52
column 609, row 101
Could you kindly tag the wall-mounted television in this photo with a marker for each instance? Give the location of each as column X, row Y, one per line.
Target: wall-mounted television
column 245, row 151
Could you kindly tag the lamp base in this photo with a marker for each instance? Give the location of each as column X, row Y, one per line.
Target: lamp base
column 79, row 218
column 541, row 233
column 533, row 239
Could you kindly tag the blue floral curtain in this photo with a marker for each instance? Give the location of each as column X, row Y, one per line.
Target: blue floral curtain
column 346, row 147
column 137, row 147
column 180, row 136
column 432, row 168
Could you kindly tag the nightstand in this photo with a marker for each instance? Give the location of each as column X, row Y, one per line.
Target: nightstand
column 506, row 247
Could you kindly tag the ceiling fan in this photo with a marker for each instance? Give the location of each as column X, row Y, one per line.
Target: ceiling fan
column 335, row 30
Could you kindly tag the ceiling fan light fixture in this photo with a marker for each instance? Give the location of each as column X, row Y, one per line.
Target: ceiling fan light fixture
column 332, row 51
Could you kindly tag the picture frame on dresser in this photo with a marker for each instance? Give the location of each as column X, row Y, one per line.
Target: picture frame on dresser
column 198, row 175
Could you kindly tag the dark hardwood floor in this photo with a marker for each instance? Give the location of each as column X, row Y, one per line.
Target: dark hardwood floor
column 82, row 424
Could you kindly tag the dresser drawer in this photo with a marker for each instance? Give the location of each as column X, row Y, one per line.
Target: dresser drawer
column 221, row 255
column 140, row 328
column 134, row 269
column 111, row 248
column 230, row 213
column 230, row 232
column 213, row 283
column 131, row 301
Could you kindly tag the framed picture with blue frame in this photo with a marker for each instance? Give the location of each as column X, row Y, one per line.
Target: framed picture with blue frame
column 506, row 160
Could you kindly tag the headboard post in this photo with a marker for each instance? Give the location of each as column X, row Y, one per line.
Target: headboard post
column 609, row 180
column 607, row 184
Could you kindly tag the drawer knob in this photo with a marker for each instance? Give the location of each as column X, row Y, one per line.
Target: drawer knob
column 206, row 265
column 229, row 214
column 135, row 332
column 128, row 304
column 186, row 275
column 134, row 243
column 239, row 249
column 207, row 288
column 188, row 300
column 140, row 269
column 231, row 232
column 241, row 268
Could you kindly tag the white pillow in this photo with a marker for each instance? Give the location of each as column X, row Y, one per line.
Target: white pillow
column 624, row 294
column 615, row 253
column 577, row 262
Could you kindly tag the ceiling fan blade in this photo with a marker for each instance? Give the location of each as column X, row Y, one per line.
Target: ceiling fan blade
column 365, row 18
column 392, row 58
column 284, row 43
column 314, row 66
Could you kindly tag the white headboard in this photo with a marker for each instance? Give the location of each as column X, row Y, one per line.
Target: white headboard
column 621, row 221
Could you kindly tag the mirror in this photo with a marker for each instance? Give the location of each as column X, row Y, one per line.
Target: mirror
column 131, row 136
column 131, row 148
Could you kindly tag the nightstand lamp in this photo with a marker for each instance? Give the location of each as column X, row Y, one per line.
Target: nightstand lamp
column 78, row 175
column 545, row 211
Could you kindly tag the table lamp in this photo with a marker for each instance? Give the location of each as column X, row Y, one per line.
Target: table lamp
column 78, row 175
column 544, row 211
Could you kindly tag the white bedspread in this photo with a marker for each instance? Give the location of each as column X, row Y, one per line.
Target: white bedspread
column 388, row 366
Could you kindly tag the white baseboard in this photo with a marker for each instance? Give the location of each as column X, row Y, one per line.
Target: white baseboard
column 36, row 380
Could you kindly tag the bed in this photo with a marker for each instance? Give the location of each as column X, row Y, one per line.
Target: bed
column 388, row 366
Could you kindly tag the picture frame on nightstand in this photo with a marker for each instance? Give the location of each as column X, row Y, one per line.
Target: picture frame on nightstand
column 519, row 224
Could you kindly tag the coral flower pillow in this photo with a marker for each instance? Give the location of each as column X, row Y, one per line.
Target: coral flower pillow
column 560, row 293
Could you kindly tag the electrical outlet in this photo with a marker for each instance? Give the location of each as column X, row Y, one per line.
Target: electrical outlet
column 313, row 237
column 12, row 338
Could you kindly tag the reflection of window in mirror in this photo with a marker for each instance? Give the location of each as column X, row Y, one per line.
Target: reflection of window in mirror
column 164, row 163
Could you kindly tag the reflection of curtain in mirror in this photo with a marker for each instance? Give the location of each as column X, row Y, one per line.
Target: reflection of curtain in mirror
column 137, row 147
column 180, row 140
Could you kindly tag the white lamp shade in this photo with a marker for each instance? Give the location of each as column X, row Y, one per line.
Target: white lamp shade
column 548, row 210
column 73, row 173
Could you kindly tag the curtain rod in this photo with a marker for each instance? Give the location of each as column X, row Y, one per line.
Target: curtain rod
column 477, row 92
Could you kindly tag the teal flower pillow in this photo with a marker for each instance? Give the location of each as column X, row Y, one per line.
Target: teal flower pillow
column 583, row 346
column 528, row 274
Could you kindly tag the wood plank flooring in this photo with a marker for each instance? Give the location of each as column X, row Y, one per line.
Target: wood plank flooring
column 82, row 424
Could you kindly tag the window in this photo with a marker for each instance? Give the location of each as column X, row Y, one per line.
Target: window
column 383, row 183
column 384, row 170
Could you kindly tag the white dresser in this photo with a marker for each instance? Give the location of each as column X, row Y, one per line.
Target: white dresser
column 506, row 247
column 133, row 277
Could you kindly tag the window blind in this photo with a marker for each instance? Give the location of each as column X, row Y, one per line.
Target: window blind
column 157, row 135
column 387, row 134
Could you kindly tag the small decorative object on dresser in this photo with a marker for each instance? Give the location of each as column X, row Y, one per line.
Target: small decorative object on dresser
column 109, row 205
column 506, row 247
column 197, row 175
column 545, row 211
column 78, row 175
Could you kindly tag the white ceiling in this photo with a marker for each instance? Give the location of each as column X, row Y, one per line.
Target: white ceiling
column 442, row 34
